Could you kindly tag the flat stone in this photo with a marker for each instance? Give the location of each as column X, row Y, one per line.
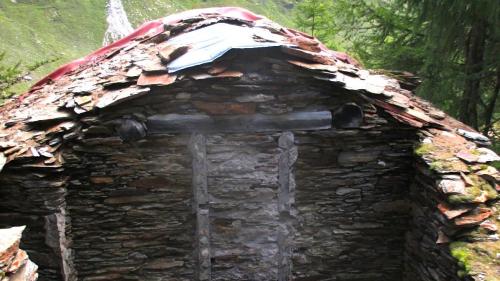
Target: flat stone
column 490, row 173
column 225, row 74
column 47, row 114
column 129, row 199
column 451, row 186
column 152, row 182
column 26, row 273
column 3, row 160
column 9, row 243
column 101, row 180
column 171, row 52
column 344, row 190
column 442, row 238
column 473, row 136
column 468, row 181
column 467, row 156
column 362, row 225
column 20, row 260
column 487, row 155
column 119, row 96
column 217, row 69
column 163, row 264
column 134, row 72
column 488, row 225
column 156, row 78
column 397, row 206
column 255, row 98
column 352, row 158
column 451, row 212
column 216, row 108
column 84, row 88
column 474, row 219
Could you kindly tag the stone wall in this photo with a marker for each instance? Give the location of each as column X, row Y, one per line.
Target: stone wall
column 131, row 209
column 352, row 204
column 427, row 255
column 346, row 211
column 275, row 205
column 37, row 201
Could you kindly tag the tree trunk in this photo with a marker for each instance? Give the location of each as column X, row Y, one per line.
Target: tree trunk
column 490, row 107
column 474, row 54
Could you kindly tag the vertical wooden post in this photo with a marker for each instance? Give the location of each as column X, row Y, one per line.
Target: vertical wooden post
column 286, row 200
column 200, row 206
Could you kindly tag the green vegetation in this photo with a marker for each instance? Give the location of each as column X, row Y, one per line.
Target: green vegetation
column 453, row 45
column 53, row 32
column 140, row 11
column 423, row 149
column 495, row 164
column 441, row 166
column 9, row 75
column 312, row 16
column 477, row 257
column 480, row 186
column 463, row 254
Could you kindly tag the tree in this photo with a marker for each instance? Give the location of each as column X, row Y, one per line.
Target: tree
column 16, row 74
column 466, row 33
column 9, row 75
column 453, row 45
column 312, row 17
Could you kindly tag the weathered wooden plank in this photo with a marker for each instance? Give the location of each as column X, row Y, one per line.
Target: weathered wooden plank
column 173, row 123
column 200, row 207
column 286, row 197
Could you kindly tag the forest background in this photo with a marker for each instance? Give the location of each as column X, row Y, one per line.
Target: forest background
column 453, row 46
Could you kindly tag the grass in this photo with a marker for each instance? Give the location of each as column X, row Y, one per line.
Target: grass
column 143, row 10
column 34, row 31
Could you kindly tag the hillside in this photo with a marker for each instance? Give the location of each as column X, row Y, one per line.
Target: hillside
column 34, row 31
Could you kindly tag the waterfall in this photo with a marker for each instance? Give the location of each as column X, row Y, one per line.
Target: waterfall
column 118, row 24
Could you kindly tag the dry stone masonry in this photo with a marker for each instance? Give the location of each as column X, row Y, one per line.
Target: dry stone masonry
column 272, row 158
column 15, row 264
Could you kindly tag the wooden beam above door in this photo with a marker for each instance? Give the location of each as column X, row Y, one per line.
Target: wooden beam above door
column 179, row 123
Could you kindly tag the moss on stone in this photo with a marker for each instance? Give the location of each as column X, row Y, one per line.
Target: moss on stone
column 424, row 149
column 439, row 166
column 475, row 152
column 477, row 258
column 480, row 186
column 484, row 186
column 483, row 166
column 457, row 199
column 463, row 254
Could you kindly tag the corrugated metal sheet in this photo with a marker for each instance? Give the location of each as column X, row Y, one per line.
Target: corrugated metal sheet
column 211, row 42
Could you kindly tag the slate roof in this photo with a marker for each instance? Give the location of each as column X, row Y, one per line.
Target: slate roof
column 36, row 124
column 183, row 41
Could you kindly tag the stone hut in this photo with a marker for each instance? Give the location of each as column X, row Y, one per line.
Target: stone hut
column 217, row 145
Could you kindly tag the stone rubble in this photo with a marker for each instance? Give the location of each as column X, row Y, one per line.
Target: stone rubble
column 15, row 264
